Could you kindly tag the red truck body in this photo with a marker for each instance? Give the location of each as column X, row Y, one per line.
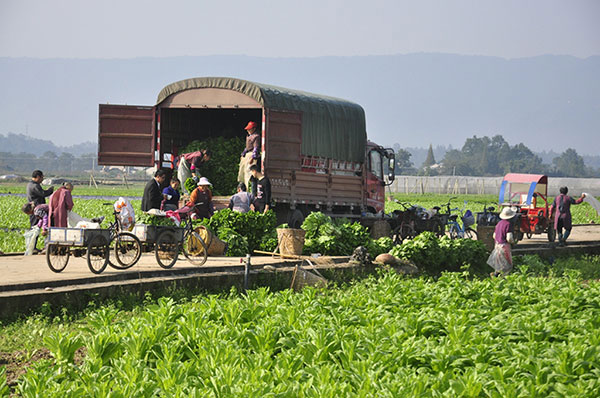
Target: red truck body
column 337, row 172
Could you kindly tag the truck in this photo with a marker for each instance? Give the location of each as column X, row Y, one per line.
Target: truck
column 314, row 148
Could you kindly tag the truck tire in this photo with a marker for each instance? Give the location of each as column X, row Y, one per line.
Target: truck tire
column 296, row 219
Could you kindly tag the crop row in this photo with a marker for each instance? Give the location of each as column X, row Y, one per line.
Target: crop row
column 387, row 337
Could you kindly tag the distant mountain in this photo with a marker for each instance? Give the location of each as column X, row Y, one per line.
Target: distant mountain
column 20, row 143
column 546, row 102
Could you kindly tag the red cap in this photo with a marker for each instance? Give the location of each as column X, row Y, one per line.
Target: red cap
column 250, row 125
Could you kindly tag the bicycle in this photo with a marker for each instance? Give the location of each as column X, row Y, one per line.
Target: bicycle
column 127, row 247
column 455, row 230
column 414, row 219
column 167, row 245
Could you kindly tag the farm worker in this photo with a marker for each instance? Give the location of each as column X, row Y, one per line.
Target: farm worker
column 171, row 195
column 242, row 200
column 250, row 154
column 561, row 211
column 41, row 215
column 61, row 202
column 201, row 197
column 42, row 222
column 36, row 194
column 153, row 191
column 190, row 163
column 61, row 206
column 501, row 259
column 261, row 190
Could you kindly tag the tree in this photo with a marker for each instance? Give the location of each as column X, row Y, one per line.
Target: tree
column 570, row 164
column 49, row 155
column 430, row 159
column 403, row 159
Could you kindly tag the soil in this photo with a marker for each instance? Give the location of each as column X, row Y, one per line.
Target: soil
column 16, row 363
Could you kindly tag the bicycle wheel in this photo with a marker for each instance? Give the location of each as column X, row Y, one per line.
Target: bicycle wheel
column 127, row 249
column 453, row 232
column 194, row 248
column 470, row 233
column 57, row 257
column 97, row 254
column 166, row 249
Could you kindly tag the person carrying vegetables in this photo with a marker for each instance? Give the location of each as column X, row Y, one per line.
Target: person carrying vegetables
column 501, row 258
column 251, row 152
column 190, row 163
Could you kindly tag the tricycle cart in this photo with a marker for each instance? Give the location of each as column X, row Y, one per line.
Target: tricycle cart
column 64, row 242
column 529, row 194
column 163, row 239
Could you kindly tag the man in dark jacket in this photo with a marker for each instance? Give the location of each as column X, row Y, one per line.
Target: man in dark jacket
column 153, row 191
column 261, row 190
column 36, row 194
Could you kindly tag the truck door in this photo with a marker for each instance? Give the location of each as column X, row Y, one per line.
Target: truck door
column 126, row 135
column 375, row 181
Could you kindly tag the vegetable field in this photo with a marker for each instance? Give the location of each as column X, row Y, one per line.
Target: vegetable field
column 389, row 336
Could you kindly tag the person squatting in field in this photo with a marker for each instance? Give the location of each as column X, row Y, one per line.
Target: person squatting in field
column 561, row 211
column 501, row 258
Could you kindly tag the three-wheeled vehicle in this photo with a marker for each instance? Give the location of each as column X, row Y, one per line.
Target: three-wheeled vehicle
column 529, row 194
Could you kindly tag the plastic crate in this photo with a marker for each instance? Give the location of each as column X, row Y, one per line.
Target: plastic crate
column 75, row 236
column 149, row 233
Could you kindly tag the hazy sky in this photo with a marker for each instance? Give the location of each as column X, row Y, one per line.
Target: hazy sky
column 281, row 28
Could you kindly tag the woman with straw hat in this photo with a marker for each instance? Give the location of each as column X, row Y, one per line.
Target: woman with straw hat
column 501, row 259
column 201, row 197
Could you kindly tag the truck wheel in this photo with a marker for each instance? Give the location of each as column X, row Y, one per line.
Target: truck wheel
column 296, row 219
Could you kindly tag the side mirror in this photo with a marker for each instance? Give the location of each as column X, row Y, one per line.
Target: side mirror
column 391, row 168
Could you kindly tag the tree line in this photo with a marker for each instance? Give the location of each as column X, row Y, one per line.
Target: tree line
column 485, row 156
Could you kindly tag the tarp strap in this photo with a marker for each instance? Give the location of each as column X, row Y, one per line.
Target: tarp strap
column 502, row 189
column 531, row 192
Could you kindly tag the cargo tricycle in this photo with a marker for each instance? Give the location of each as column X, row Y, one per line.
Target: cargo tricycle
column 528, row 193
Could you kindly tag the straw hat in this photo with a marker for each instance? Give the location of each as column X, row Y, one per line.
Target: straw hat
column 507, row 213
column 204, row 181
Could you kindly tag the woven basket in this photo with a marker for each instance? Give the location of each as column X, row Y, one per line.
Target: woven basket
column 380, row 229
column 214, row 245
column 291, row 241
column 303, row 277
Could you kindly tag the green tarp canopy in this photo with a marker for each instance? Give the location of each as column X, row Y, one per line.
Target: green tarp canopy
column 331, row 127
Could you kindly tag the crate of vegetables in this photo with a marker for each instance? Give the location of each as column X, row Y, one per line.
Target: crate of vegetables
column 150, row 227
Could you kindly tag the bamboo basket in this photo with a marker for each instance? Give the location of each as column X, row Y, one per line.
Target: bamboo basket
column 290, row 241
column 303, row 277
column 214, row 245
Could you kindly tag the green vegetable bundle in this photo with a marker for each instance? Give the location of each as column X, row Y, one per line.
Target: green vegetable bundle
column 222, row 169
column 436, row 255
column 149, row 219
column 339, row 238
column 257, row 228
column 190, row 184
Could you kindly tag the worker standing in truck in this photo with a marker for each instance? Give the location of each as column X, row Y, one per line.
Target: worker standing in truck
column 190, row 163
column 251, row 152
